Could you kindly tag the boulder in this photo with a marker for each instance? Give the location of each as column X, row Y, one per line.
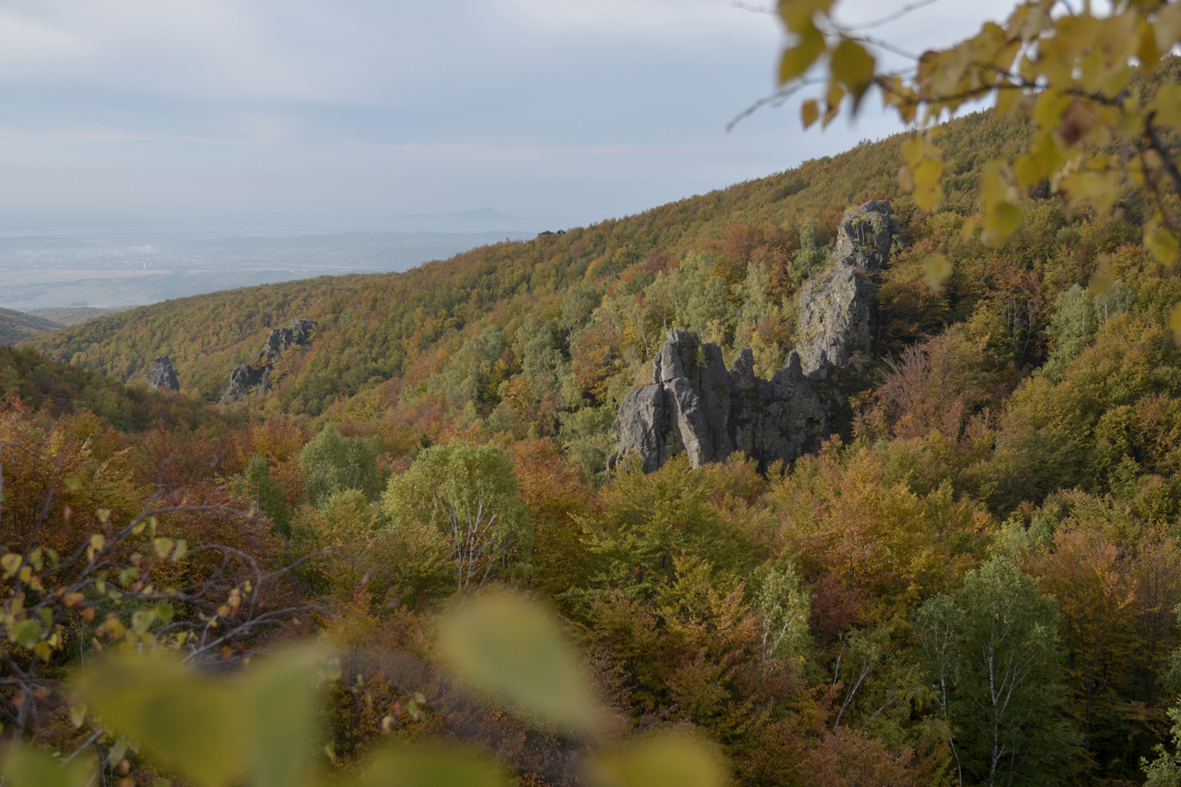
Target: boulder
column 162, row 377
column 695, row 406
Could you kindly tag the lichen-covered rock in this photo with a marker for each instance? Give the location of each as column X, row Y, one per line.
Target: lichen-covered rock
column 838, row 311
column 697, row 407
column 162, row 377
column 865, row 235
column 838, row 308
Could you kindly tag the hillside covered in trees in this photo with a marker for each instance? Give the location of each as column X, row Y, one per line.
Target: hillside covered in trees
column 973, row 580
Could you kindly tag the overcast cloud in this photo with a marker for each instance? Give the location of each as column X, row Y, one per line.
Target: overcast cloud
column 570, row 111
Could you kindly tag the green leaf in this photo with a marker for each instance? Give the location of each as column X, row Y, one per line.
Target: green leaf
column 852, row 66
column 25, row 632
column 186, row 723
column 669, row 760
column 29, row 767
column 512, row 649
column 431, row 766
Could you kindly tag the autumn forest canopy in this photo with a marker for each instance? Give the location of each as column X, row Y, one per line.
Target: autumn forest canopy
column 972, row 577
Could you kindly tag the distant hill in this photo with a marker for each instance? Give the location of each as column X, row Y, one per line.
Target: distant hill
column 554, row 330
column 18, row 326
column 381, row 327
column 75, row 315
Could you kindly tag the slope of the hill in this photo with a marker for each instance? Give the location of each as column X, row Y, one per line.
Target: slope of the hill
column 53, row 390
column 373, row 328
column 76, row 315
column 17, row 326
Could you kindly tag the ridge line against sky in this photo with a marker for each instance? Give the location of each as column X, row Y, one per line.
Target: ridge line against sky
column 565, row 111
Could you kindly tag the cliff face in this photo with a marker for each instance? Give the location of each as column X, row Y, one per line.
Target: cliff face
column 253, row 375
column 838, row 309
column 695, row 406
column 162, row 377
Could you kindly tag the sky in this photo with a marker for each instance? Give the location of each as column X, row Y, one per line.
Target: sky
column 562, row 111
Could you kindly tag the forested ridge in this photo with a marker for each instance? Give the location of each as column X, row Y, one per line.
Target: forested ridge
column 973, row 581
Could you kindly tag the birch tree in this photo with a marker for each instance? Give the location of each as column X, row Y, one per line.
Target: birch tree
column 468, row 493
column 991, row 652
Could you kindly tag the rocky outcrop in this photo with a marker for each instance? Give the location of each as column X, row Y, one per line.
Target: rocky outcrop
column 253, row 375
column 162, row 377
column 280, row 339
column 695, row 406
column 838, row 308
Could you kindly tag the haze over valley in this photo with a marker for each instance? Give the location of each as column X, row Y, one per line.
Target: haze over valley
column 55, row 261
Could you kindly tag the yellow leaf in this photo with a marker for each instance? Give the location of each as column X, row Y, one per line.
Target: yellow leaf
column 1175, row 324
column 1167, row 104
column 809, row 112
column 431, row 765
column 668, row 760
column 913, row 150
column 938, row 269
column 29, row 767
column 832, row 101
column 11, row 563
column 1101, row 284
column 1168, row 27
column 993, row 187
column 905, row 179
column 927, row 177
column 282, row 699
column 1006, row 100
column 968, row 231
column 999, row 223
column 853, row 67
column 513, row 649
column 163, row 546
column 186, row 723
column 1161, row 243
column 799, row 58
column 1146, row 51
column 1049, row 108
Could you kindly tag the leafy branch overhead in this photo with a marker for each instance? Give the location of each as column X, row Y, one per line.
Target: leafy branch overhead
column 1098, row 123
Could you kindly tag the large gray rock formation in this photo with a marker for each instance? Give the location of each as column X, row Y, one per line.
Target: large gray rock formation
column 838, row 308
column 695, row 406
column 253, row 375
column 162, row 377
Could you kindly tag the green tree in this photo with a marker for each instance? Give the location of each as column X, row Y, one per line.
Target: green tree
column 992, row 653
column 333, row 463
column 257, row 485
column 468, row 492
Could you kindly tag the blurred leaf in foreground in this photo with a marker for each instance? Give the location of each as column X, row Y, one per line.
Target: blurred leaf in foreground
column 213, row 730
column 513, row 649
column 29, row 767
column 668, row 760
column 431, row 766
